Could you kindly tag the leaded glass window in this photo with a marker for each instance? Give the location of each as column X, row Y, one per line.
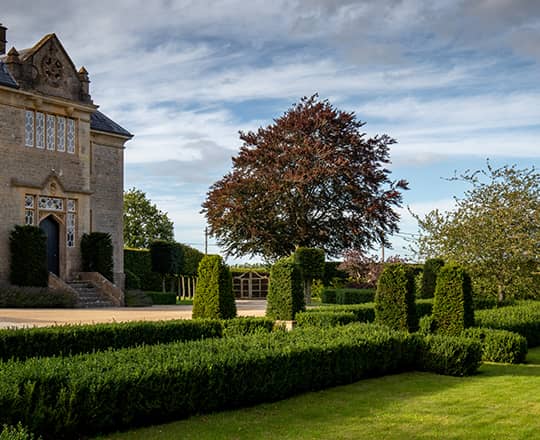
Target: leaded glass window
column 70, row 230
column 70, row 136
column 51, row 203
column 29, row 217
column 71, row 205
column 29, row 201
column 40, row 130
column 60, row 133
column 50, row 132
column 29, row 128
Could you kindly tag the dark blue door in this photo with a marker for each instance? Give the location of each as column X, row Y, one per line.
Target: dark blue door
column 51, row 229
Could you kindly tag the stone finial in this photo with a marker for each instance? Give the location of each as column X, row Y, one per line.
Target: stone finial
column 13, row 63
column 85, row 84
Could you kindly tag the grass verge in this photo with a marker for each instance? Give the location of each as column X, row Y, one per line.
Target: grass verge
column 501, row 401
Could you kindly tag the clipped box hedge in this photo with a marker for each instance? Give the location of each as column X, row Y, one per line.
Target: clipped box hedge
column 35, row 297
column 74, row 339
column 87, row 394
column 325, row 319
column 347, row 296
column 162, row 299
column 523, row 318
column 499, row 345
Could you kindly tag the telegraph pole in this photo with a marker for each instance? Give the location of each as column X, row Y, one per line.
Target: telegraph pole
column 206, row 240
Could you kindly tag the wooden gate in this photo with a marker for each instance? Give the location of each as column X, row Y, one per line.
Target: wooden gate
column 250, row 285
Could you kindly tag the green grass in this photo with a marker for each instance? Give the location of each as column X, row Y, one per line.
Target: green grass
column 500, row 402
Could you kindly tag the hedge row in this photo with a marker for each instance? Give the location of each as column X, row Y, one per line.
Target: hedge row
column 365, row 312
column 74, row 339
column 523, row 318
column 35, row 297
column 347, row 296
column 325, row 319
column 86, row 394
column 499, row 345
column 159, row 298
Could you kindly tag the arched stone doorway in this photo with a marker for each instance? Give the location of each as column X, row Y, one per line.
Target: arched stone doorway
column 52, row 230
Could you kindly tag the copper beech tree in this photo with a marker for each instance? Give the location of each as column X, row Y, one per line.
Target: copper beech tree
column 310, row 179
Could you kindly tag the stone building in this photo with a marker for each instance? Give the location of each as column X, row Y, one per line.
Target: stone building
column 61, row 160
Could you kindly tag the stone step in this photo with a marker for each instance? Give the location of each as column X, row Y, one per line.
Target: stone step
column 88, row 295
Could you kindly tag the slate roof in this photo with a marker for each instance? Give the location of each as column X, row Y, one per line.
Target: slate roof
column 100, row 122
column 5, row 77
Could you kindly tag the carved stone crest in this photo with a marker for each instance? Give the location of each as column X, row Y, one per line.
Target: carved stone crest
column 52, row 68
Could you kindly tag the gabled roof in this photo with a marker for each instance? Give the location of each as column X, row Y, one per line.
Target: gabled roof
column 5, row 77
column 100, row 122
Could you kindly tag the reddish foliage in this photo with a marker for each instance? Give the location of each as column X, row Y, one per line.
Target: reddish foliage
column 310, row 179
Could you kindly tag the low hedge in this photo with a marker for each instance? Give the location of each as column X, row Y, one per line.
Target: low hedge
column 162, row 299
column 325, row 319
column 347, row 296
column 35, row 297
column 246, row 325
column 74, row 339
column 523, row 318
column 449, row 355
column 499, row 345
column 86, row 394
column 18, row 432
column 366, row 312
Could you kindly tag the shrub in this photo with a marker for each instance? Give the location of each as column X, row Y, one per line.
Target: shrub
column 139, row 262
column 97, row 254
column 452, row 307
column 241, row 326
column 499, row 345
column 325, row 319
column 424, row 307
column 162, row 299
column 214, row 297
column 18, row 432
column 449, row 355
column 523, row 318
column 429, row 277
column 191, row 259
column 354, row 296
column 28, row 246
column 35, row 297
column 394, row 300
column 74, row 339
column 133, row 282
column 137, row 298
column 328, row 296
column 285, row 294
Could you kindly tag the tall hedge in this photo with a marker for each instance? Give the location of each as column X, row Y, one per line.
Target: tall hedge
column 28, row 246
column 214, row 297
column 138, row 262
column 429, row 277
column 285, row 293
column 166, row 258
column 394, row 299
column 453, row 304
column 97, row 254
column 191, row 259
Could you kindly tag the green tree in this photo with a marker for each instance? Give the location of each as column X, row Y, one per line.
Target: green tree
column 143, row 221
column 311, row 179
column 494, row 231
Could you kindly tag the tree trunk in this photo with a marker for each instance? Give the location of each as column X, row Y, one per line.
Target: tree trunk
column 500, row 294
column 163, row 283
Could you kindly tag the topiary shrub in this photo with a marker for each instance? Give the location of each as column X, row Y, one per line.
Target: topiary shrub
column 311, row 263
column 394, row 299
column 28, row 246
column 18, row 432
column 214, row 296
column 166, row 258
column 324, row 319
column 97, row 254
column 285, row 294
column 453, row 307
column 429, row 277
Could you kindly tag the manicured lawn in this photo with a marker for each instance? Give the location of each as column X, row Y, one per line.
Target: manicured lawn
column 500, row 402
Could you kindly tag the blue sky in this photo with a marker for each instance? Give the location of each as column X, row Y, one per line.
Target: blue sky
column 454, row 82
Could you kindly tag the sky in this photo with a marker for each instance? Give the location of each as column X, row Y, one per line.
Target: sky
column 454, row 82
